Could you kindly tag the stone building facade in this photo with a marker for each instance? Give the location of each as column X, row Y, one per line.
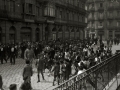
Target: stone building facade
column 37, row 20
column 103, row 19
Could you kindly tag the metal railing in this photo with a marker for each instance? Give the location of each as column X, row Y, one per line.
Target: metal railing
column 95, row 78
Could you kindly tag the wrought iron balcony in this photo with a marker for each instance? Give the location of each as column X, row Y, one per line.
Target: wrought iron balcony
column 39, row 19
column 110, row 8
column 117, row 7
column 101, row 18
column 76, row 23
column 110, row 17
column 3, row 13
column 90, row 1
column 117, row 17
column 92, row 9
column 111, row 27
column 14, row 15
column 97, row 77
column 101, row 9
column 91, row 19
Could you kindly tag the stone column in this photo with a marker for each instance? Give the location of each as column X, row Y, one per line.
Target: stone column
column 5, row 30
column 43, row 31
column 18, row 32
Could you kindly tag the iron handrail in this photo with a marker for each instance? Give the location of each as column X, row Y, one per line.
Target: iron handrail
column 101, row 68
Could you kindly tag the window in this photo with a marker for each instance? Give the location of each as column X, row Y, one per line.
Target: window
column 49, row 10
column 37, row 11
column 67, row 16
column 118, row 23
column 110, row 14
column 80, row 18
column 101, row 15
column 92, row 24
column 101, row 24
column 109, row 23
column 92, row 5
column 60, row 16
column 12, row 6
column 73, row 16
column 92, row 15
column 111, row 4
column 101, row 5
column 78, row 3
column 118, row 13
column 30, row 8
column 83, row 19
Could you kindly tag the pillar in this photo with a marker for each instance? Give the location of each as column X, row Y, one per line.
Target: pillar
column 43, row 31
column 18, row 31
column 33, row 33
column 64, row 30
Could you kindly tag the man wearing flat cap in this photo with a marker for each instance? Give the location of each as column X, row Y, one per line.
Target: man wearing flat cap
column 13, row 87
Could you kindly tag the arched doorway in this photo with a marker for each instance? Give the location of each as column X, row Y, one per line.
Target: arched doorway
column 72, row 34
column 26, row 34
column 12, row 34
column 67, row 33
column 46, row 33
column 77, row 34
column 60, row 36
column 54, row 33
column 37, row 34
column 0, row 35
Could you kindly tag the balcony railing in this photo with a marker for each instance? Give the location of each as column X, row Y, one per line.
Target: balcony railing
column 95, row 78
column 101, row 9
column 100, row 27
column 110, row 17
column 76, row 23
column 91, row 18
column 101, row 18
column 14, row 15
column 117, row 17
column 110, row 8
column 111, row 27
column 3, row 13
column 117, row 7
column 92, row 9
column 40, row 19
column 90, row 1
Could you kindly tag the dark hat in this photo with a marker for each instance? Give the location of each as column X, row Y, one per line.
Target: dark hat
column 12, row 86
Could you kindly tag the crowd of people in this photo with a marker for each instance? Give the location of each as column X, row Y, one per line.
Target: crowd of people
column 63, row 59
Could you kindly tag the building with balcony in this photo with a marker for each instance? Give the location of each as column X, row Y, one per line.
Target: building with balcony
column 105, row 18
column 37, row 20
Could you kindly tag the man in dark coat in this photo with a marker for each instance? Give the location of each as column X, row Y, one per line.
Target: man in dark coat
column 3, row 54
column 12, row 55
column 56, row 70
column 40, row 66
column 27, row 71
column 1, row 83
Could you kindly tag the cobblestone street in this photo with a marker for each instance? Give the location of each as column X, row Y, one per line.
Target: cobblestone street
column 13, row 74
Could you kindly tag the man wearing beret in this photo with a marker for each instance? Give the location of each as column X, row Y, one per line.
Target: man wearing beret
column 13, row 87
